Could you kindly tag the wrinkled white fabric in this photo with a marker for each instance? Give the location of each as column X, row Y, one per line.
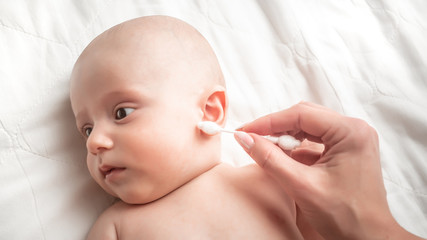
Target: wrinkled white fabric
column 362, row 58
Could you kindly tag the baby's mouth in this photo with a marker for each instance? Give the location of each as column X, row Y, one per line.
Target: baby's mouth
column 107, row 170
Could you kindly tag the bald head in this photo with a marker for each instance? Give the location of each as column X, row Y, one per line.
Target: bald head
column 169, row 45
column 135, row 90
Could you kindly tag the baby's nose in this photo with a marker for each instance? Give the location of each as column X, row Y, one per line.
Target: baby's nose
column 98, row 140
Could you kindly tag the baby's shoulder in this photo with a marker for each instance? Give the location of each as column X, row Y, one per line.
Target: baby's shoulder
column 104, row 227
column 249, row 177
column 254, row 174
column 253, row 180
column 112, row 214
column 122, row 220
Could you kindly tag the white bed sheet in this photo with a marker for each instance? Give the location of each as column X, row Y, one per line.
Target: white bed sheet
column 362, row 58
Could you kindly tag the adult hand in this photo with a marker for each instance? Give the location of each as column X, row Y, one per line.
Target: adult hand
column 339, row 190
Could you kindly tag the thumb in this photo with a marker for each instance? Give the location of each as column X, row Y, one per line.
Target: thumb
column 271, row 158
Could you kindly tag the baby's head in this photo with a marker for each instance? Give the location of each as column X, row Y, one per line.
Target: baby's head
column 138, row 91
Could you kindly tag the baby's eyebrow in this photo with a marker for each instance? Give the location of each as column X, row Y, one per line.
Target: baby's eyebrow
column 128, row 92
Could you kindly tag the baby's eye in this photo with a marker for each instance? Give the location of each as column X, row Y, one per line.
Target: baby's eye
column 87, row 131
column 123, row 112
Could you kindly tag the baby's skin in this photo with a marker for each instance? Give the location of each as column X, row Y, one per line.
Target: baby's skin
column 222, row 203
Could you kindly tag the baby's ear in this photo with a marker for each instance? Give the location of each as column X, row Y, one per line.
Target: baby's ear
column 215, row 107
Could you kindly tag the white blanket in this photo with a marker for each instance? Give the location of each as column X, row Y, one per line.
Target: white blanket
column 363, row 58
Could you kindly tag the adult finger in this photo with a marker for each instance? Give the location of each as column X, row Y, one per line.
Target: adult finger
column 271, row 158
column 318, row 123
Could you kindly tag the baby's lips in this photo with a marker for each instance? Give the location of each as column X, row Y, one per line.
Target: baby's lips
column 105, row 169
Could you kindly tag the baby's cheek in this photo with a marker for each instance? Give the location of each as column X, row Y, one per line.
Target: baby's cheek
column 91, row 165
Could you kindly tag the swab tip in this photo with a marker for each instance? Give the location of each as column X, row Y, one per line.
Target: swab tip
column 209, row 128
column 287, row 142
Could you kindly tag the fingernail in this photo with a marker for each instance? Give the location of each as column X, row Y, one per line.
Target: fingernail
column 241, row 126
column 244, row 139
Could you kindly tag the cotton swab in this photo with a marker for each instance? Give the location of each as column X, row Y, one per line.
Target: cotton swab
column 212, row 128
column 285, row 142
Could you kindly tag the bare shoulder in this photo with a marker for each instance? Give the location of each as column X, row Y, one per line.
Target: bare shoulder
column 268, row 190
column 256, row 180
column 254, row 171
column 104, row 227
column 111, row 224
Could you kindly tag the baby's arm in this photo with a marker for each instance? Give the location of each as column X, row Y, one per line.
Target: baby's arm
column 104, row 228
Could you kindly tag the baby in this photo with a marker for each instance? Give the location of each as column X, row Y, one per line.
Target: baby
column 138, row 91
